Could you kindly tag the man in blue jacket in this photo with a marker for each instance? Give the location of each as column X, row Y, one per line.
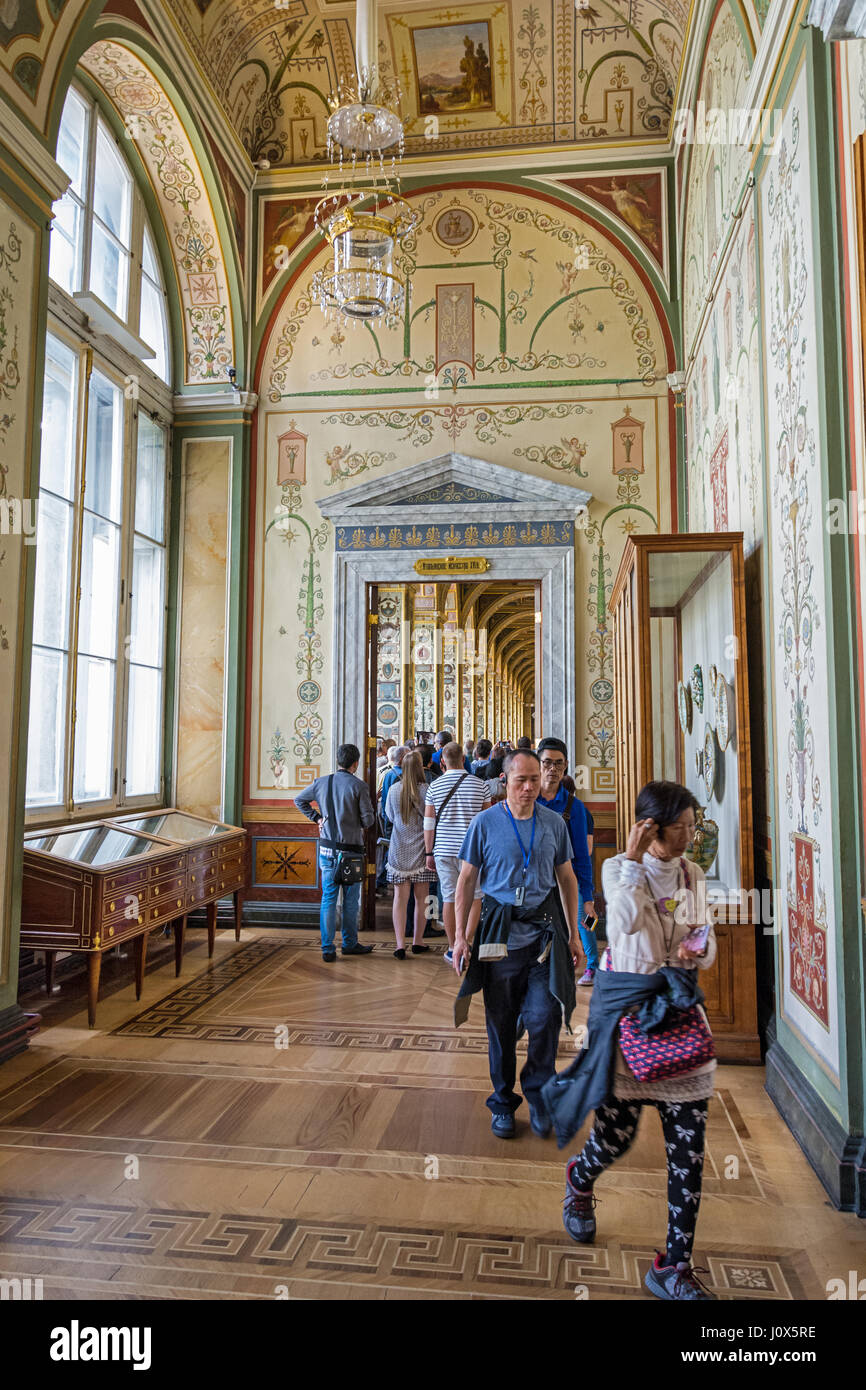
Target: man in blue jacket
column 553, row 754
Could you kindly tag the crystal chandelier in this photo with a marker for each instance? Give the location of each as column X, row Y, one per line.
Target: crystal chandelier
column 364, row 219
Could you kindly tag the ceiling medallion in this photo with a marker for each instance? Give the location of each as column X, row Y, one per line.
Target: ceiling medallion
column 364, row 219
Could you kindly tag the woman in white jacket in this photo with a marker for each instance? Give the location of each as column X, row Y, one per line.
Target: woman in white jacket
column 653, row 901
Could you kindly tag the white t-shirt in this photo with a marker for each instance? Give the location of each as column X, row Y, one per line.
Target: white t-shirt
column 472, row 796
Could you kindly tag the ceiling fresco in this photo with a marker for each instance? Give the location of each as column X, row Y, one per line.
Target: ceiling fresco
column 494, row 75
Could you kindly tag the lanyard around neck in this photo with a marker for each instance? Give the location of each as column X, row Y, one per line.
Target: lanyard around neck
column 527, row 853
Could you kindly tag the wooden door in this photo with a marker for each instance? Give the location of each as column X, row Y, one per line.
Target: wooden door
column 368, row 752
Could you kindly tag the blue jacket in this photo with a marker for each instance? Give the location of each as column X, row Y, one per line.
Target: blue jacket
column 578, row 830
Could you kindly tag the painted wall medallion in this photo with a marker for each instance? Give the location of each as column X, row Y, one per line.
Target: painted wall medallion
column 709, row 761
column 724, row 712
column 454, row 228
column 309, row 692
column 387, row 714
column 698, row 688
column 684, row 705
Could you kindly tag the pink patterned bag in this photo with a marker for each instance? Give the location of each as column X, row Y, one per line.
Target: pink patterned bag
column 671, row 1051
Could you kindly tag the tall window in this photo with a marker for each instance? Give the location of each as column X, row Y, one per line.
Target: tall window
column 98, row 684
column 100, row 241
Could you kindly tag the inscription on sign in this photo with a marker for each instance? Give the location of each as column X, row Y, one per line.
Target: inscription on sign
column 453, row 564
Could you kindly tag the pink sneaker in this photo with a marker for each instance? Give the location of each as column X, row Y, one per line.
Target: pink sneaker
column 588, row 976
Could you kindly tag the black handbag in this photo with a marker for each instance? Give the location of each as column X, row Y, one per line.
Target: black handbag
column 350, row 860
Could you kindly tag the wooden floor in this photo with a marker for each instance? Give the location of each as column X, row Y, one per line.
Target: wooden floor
column 271, row 1124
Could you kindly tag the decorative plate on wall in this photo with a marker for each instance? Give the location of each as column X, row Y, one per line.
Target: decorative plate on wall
column 699, row 761
column 724, row 712
column 684, row 705
column 709, row 761
column 713, row 676
column 698, row 688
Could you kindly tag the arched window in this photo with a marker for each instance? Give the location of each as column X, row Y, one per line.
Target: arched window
column 98, row 670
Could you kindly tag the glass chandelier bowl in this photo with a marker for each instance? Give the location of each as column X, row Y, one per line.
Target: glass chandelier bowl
column 361, row 280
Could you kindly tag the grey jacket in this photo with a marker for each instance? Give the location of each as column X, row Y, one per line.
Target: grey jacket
column 353, row 809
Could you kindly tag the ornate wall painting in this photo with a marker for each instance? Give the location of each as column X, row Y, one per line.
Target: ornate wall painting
column 454, row 228
column 452, row 68
column 455, row 326
column 372, row 413
column 236, row 199
column 33, row 40
column 627, row 444
column 637, row 200
column 719, row 483
column 802, row 698
column 284, row 223
column 291, row 457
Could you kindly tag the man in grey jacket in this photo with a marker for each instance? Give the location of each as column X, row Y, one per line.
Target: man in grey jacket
column 353, row 814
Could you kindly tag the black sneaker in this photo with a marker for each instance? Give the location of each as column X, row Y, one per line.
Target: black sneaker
column 503, row 1126
column 677, row 1283
column 356, row 950
column 540, row 1122
column 577, row 1211
column 329, row 956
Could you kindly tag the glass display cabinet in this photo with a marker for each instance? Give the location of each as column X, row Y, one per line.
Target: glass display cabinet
column 94, row 886
column 682, row 715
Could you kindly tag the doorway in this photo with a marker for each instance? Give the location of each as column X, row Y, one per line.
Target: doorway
column 456, row 655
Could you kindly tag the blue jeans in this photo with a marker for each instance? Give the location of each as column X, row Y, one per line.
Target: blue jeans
column 328, row 913
column 517, row 986
column 588, row 941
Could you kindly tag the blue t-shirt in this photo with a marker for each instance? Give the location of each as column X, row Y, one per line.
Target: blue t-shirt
column 491, row 846
column 578, row 829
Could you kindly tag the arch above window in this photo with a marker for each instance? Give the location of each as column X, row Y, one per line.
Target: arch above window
column 102, row 248
column 179, row 184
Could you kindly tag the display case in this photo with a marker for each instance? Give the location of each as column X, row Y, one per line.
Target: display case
column 682, row 714
column 94, row 886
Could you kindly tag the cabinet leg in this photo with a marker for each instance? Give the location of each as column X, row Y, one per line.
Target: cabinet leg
column 179, row 925
column 211, row 927
column 239, row 913
column 49, row 971
column 140, row 957
column 94, row 967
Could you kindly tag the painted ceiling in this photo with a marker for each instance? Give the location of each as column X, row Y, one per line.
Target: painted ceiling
column 494, row 75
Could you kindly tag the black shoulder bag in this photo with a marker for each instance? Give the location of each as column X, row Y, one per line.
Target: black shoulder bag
column 350, row 861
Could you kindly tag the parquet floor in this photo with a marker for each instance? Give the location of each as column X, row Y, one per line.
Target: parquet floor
column 270, row 1125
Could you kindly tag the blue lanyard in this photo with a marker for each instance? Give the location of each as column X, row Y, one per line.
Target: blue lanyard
column 527, row 854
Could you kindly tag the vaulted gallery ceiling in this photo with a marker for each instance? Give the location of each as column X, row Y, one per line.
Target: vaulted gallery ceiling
column 490, row 76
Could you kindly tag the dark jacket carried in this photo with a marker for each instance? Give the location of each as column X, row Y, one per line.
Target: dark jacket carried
column 491, row 943
column 588, row 1081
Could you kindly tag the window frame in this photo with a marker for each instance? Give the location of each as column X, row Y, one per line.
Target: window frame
column 97, row 350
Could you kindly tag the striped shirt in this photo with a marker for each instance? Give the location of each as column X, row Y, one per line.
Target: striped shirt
column 471, row 796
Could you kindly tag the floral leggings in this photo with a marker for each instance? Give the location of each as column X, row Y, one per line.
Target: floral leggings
column 684, row 1128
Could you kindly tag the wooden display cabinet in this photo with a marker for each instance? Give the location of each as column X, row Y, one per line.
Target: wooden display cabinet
column 94, row 886
column 682, row 714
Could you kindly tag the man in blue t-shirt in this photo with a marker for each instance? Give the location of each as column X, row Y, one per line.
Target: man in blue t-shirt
column 519, row 854
column 554, row 765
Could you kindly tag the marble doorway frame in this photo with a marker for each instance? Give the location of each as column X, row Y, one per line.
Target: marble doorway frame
column 553, row 566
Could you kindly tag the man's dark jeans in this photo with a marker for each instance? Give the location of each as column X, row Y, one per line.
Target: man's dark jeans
column 518, row 986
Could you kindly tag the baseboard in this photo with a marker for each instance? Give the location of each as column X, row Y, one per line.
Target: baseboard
column 838, row 1158
column 261, row 915
column 16, row 1028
